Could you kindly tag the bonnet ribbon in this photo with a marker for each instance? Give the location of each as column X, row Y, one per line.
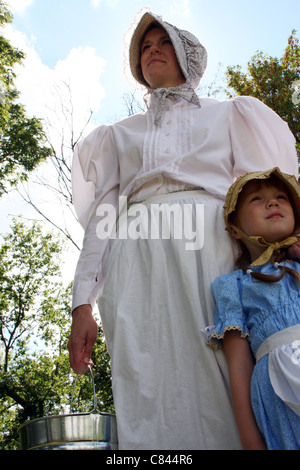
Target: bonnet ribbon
column 271, row 247
column 183, row 91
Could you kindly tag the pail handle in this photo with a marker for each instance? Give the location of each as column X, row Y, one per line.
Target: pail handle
column 94, row 393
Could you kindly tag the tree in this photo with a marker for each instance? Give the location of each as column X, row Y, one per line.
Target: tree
column 35, row 318
column 273, row 81
column 28, row 268
column 55, row 183
column 22, row 139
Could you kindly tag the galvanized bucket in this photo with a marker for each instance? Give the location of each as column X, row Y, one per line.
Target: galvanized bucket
column 74, row 431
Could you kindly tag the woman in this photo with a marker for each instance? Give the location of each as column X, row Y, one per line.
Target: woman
column 180, row 156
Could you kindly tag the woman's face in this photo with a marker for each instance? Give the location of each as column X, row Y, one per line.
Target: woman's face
column 159, row 63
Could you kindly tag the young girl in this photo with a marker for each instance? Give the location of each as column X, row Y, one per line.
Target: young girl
column 258, row 310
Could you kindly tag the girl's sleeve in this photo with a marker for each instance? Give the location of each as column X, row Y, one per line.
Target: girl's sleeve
column 95, row 182
column 229, row 310
column 261, row 140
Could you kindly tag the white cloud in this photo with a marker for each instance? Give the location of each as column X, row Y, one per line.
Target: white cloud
column 18, row 6
column 110, row 3
column 181, row 8
column 80, row 72
column 72, row 86
column 73, row 81
column 95, row 3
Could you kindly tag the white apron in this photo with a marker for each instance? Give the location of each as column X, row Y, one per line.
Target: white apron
column 284, row 364
column 171, row 391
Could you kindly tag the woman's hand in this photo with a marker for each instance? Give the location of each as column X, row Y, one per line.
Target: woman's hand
column 84, row 332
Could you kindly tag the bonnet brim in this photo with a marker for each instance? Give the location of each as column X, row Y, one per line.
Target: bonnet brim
column 289, row 181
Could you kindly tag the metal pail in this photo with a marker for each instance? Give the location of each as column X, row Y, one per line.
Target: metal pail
column 77, row 431
column 74, row 431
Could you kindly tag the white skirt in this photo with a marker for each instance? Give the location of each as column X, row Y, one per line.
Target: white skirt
column 171, row 391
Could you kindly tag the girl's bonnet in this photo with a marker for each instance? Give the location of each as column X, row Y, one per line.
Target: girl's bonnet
column 293, row 189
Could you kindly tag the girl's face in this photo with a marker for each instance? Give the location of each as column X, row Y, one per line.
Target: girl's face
column 159, row 63
column 264, row 209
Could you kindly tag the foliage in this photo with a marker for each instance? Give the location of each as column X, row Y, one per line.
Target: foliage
column 35, row 317
column 22, row 139
column 27, row 270
column 273, row 81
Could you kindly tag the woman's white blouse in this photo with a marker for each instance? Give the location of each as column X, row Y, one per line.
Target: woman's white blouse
column 193, row 147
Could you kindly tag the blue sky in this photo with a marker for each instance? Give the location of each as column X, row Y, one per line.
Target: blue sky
column 232, row 31
column 81, row 43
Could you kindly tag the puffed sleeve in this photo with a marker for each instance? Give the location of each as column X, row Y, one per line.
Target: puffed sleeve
column 229, row 310
column 261, row 140
column 95, row 181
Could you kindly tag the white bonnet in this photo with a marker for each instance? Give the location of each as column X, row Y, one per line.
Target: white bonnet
column 191, row 55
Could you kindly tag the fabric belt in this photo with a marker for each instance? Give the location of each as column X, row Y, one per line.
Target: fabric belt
column 286, row 336
column 163, row 197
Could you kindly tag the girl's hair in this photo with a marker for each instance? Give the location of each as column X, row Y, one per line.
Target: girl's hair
column 244, row 259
